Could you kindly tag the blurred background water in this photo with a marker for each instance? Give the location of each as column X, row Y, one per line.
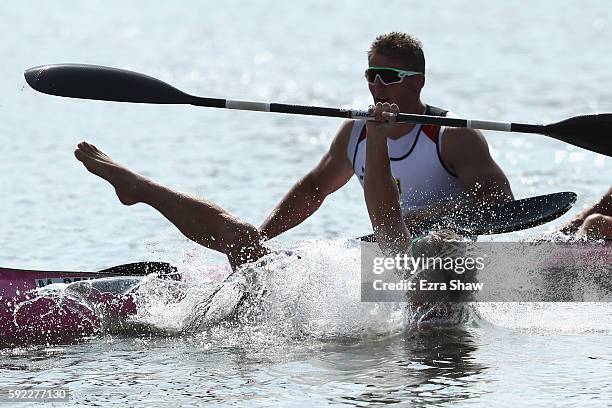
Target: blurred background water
column 529, row 62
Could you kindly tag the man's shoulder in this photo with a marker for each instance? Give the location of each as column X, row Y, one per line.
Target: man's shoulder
column 461, row 145
column 459, row 136
column 341, row 140
column 346, row 128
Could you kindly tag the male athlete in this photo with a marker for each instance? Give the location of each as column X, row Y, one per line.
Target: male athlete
column 429, row 164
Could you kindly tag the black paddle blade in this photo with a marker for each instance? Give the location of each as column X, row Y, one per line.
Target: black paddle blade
column 512, row 216
column 591, row 132
column 503, row 217
column 141, row 269
column 102, row 83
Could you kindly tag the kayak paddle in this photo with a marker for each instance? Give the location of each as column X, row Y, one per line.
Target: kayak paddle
column 141, row 269
column 591, row 132
column 499, row 218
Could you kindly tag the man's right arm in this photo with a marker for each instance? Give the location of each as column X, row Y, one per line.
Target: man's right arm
column 305, row 197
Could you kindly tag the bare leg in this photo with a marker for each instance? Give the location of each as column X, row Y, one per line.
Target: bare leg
column 603, row 207
column 199, row 220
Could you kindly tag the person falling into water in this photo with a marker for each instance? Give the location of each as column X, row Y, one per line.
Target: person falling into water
column 409, row 169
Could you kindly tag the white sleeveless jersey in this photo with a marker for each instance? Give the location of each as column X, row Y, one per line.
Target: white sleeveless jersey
column 416, row 165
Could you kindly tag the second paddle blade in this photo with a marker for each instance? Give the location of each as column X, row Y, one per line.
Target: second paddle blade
column 512, row 216
column 102, row 83
column 591, row 132
column 141, row 269
column 501, row 218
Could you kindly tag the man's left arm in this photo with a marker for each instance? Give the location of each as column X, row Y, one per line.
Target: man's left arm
column 466, row 153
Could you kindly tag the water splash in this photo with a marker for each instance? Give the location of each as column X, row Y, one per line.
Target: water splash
column 311, row 291
column 573, row 278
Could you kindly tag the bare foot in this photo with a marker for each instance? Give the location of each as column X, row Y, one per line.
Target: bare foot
column 125, row 181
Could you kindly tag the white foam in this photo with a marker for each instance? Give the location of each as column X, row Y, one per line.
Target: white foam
column 315, row 292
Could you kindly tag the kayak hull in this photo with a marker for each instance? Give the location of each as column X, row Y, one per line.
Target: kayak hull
column 26, row 317
column 16, row 281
